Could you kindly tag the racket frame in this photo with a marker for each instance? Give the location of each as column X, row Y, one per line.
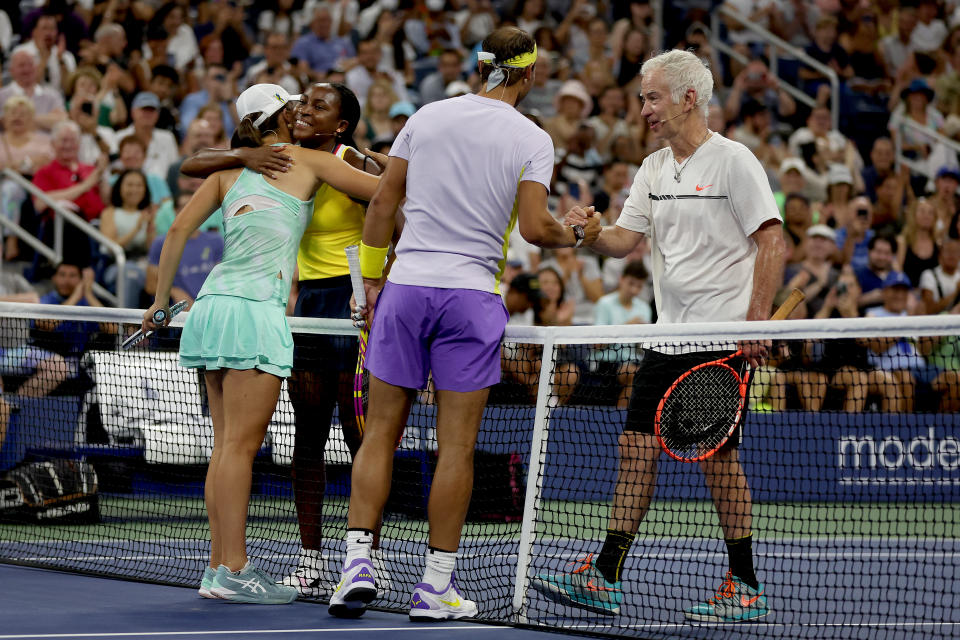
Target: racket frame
column 782, row 313
column 360, row 296
column 742, row 384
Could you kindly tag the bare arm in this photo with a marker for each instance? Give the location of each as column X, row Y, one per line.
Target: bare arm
column 48, row 120
column 617, row 242
column 341, row 176
column 768, row 269
column 265, row 160
column 197, row 210
column 537, row 225
column 381, row 214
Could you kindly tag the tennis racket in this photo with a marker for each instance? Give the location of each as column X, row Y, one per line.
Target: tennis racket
column 702, row 408
column 361, row 379
column 158, row 317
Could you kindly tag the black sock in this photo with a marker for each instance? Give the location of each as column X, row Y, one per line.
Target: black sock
column 740, row 551
column 614, row 553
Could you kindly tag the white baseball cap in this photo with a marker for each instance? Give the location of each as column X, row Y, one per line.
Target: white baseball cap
column 266, row 99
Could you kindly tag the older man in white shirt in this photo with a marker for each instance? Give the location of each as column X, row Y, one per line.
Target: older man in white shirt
column 161, row 144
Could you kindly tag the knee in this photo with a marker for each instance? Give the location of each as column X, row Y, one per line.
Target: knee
column 457, row 455
column 237, row 448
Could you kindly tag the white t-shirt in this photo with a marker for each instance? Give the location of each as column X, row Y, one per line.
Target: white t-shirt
column 936, row 281
column 701, row 228
column 161, row 153
column 467, row 156
column 928, row 37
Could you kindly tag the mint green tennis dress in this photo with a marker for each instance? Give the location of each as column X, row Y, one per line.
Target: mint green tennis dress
column 239, row 320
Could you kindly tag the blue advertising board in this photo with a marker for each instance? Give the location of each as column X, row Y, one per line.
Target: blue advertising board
column 787, row 456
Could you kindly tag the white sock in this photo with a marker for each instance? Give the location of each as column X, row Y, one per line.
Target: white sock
column 359, row 543
column 243, row 568
column 439, row 569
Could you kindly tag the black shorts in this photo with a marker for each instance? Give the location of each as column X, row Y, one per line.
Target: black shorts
column 325, row 298
column 657, row 371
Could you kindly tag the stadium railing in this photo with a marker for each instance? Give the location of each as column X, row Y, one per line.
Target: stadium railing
column 55, row 253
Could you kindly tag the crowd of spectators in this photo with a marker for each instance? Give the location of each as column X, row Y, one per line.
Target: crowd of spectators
column 101, row 100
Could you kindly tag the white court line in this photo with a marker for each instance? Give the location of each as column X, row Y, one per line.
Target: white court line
column 675, row 555
column 147, row 634
column 754, row 625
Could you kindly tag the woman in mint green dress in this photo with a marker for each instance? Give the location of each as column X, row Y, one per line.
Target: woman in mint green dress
column 237, row 329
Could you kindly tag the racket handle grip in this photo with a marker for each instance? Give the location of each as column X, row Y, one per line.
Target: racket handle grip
column 159, row 316
column 356, row 278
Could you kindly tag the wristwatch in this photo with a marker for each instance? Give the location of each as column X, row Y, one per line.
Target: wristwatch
column 578, row 234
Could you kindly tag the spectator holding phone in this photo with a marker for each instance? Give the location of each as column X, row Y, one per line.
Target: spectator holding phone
column 854, row 237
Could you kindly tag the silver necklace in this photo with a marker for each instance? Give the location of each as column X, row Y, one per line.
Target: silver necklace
column 678, row 168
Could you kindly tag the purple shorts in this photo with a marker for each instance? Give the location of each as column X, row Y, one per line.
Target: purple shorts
column 455, row 333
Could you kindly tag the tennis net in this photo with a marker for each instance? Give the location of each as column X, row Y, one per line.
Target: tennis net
column 850, row 450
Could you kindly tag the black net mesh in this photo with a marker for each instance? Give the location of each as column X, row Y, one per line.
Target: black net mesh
column 850, row 479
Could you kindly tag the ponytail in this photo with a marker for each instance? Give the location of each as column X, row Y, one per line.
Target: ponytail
column 249, row 135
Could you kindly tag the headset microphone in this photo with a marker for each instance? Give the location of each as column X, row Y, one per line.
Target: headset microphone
column 682, row 113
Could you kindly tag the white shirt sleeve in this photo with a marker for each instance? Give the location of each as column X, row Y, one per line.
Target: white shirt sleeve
column 538, row 165
column 928, row 282
column 750, row 195
column 635, row 215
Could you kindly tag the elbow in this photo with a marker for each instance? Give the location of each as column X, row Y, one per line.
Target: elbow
column 191, row 168
column 533, row 236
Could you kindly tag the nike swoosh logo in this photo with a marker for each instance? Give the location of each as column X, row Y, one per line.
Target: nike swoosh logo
column 593, row 587
column 699, row 188
column 455, row 603
column 746, row 602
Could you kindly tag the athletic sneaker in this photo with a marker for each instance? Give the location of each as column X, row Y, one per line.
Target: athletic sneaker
column 250, row 585
column 356, row 589
column 428, row 604
column 584, row 588
column 735, row 601
column 207, row 582
column 313, row 577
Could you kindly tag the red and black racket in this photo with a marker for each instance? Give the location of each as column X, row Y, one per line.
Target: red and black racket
column 361, row 380
column 702, row 408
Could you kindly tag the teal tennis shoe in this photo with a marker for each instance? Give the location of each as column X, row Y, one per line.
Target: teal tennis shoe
column 206, row 583
column 584, row 587
column 735, row 601
column 250, row 585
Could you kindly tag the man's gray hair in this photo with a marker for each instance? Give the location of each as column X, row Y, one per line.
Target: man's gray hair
column 22, row 50
column 111, row 28
column 682, row 71
column 62, row 127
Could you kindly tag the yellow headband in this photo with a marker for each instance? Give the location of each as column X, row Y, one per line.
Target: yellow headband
column 517, row 62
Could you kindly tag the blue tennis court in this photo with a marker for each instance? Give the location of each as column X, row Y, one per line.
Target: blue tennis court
column 39, row 603
column 819, row 587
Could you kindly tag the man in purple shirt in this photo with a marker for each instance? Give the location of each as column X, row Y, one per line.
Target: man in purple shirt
column 319, row 48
